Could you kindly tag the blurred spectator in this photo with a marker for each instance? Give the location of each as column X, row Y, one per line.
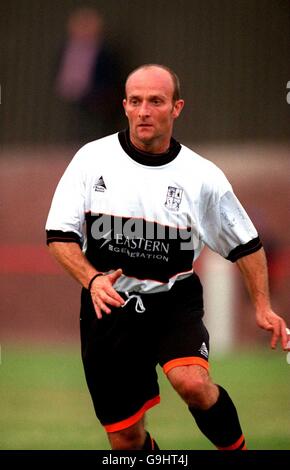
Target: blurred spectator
column 87, row 75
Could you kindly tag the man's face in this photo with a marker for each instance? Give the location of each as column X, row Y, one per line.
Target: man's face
column 150, row 108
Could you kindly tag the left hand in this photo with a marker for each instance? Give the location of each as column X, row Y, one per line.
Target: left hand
column 269, row 320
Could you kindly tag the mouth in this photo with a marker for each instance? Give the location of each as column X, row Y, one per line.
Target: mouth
column 144, row 126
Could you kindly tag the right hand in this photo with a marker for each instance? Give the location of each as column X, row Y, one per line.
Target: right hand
column 103, row 293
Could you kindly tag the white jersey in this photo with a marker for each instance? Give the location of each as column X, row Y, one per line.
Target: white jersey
column 150, row 215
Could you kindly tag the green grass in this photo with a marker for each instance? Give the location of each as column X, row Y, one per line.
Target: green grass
column 44, row 402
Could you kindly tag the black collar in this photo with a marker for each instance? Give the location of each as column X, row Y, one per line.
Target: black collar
column 146, row 158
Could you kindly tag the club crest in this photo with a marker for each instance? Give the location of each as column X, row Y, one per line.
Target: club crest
column 173, row 198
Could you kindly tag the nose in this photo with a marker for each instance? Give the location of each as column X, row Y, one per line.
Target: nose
column 144, row 110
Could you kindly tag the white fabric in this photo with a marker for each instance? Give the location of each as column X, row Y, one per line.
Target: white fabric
column 207, row 203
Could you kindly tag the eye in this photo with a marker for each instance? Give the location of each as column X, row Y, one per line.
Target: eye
column 134, row 101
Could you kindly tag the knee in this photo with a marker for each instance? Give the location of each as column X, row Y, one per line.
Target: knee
column 127, row 439
column 196, row 390
column 193, row 392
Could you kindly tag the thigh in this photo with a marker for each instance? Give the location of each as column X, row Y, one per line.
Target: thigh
column 183, row 337
column 119, row 367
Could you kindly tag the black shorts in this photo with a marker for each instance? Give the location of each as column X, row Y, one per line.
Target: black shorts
column 120, row 352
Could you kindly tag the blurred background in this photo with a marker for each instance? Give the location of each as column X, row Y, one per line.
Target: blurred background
column 61, row 78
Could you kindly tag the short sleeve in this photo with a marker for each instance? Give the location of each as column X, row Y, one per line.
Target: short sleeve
column 67, row 212
column 226, row 227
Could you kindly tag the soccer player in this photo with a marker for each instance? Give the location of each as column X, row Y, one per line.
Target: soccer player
column 128, row 220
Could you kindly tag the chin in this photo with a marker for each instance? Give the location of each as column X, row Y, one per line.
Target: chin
column 145, row 135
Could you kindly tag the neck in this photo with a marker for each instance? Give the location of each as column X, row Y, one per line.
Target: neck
column 155, row 147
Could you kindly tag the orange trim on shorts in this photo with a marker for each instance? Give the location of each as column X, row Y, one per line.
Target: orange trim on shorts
column 185, row 361
column 125, row 423
column 236, row 445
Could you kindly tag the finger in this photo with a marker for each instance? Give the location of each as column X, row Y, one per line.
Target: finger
column 108, row 293
column 114, row 294
column 97, row 310
column 99, row 307
column 275, row 336
column 287, row 330
column 284, row 335
column 104, row 307
column 115, row 275
column 108, row 299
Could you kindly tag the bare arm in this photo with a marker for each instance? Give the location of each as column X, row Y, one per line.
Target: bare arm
column 255, row 274
column 71, row 257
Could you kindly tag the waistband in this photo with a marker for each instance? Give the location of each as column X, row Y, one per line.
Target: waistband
column 188, row 287
column 180, row 285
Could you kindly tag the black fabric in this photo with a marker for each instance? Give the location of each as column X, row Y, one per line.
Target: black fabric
column 245, row 249
column 143, row 258
column 119, row 367
column 60, row 236
column 220, row 423
column 148, row 159
column 120, row 352
column 150, row 444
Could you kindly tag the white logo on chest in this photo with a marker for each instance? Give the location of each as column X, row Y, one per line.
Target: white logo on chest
column 100, row 185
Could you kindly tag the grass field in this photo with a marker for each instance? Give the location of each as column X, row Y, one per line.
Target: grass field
column 44, row 402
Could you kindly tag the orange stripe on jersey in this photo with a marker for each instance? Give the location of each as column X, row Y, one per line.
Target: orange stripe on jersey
column 125, row 423
column 185, row 361
column 236, row 445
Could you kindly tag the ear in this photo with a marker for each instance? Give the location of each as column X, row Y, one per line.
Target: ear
column 125, row 105
column 177, row 108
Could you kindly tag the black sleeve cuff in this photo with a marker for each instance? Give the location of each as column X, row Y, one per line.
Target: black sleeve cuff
column 245, row 249
column 60, row 236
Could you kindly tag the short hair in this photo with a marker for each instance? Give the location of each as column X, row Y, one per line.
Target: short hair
column 174, row 77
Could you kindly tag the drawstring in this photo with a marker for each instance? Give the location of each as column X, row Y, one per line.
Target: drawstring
column 139, row 306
